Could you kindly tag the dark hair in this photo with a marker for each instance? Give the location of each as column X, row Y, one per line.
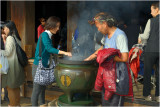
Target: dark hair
column 2, row 24
column 2, row 32
column 102, row 16
column 41, row 19
column 51, row 23
column 155, row 5
column 12, row 28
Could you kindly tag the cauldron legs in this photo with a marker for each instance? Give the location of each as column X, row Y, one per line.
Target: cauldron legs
column 70, row 96
column 87, row 96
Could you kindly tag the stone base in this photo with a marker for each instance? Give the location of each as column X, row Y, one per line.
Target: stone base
column 53, row 103
column 63, row 101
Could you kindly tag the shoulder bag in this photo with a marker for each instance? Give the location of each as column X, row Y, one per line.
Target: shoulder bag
column 22, row 57
column 44, row 76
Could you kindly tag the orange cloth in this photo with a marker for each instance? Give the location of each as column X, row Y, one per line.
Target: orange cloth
column 134, row 61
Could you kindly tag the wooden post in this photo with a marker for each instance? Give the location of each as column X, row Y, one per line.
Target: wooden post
column 23, row 14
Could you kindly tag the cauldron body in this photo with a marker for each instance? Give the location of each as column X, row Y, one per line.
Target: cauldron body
column 75, row 77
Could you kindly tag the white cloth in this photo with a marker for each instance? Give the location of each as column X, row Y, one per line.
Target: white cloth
column 49, row 33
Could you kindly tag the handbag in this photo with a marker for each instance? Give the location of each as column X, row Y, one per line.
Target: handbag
column 44, row 76
column 3, row 64
column 22, row 57
column 122, row 81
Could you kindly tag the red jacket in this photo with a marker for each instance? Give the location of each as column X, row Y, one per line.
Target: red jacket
column 40, row 29
column 106, row 75
column 135, row 62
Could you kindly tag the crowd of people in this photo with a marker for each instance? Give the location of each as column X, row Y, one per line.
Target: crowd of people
column 114, row 38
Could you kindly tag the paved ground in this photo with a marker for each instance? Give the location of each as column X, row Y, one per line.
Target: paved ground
column 137, row 96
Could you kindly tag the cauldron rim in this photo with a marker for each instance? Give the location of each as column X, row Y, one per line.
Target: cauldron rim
column 72, row 62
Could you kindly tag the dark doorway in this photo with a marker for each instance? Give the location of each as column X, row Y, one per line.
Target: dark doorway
column 51, row 8
column 3, row 10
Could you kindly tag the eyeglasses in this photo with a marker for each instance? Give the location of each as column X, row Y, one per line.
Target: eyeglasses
column 43, row 21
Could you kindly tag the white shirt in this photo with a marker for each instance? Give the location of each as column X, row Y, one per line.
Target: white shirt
column 49, row 33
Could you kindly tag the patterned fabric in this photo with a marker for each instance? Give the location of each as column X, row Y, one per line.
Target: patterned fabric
column 44, row 76
column 139, row 46
column 134, row 60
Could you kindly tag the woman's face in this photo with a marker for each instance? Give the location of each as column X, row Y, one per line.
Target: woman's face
column 6, row 30
column 54, row 30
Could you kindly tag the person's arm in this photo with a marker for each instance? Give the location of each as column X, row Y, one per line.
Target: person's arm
column 124, row 57
column 39, row 30
column 49, row 47
column 122, row 45
column 94, row 55
column 8, row 46
column 4, row 38
column 146, row 33
column 65, row 53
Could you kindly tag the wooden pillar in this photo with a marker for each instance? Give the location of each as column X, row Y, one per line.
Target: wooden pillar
column 23, row 14
column 72, row 17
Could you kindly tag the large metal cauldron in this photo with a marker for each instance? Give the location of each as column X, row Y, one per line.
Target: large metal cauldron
column 75, row 77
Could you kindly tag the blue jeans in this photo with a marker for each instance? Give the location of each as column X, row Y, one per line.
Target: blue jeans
column 115, row 100
column 38, row 92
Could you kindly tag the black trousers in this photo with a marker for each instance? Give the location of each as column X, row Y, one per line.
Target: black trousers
column 150, row 59
column 115, row 100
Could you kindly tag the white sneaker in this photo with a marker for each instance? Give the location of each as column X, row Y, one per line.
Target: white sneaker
column 148, row 98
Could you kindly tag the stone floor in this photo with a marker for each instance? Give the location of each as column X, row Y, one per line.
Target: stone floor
column 54, row 94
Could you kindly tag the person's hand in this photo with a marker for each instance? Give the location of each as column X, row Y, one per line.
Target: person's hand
column 91, row 57
column 139, row 41
column 4, row 37
column 68, row 54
